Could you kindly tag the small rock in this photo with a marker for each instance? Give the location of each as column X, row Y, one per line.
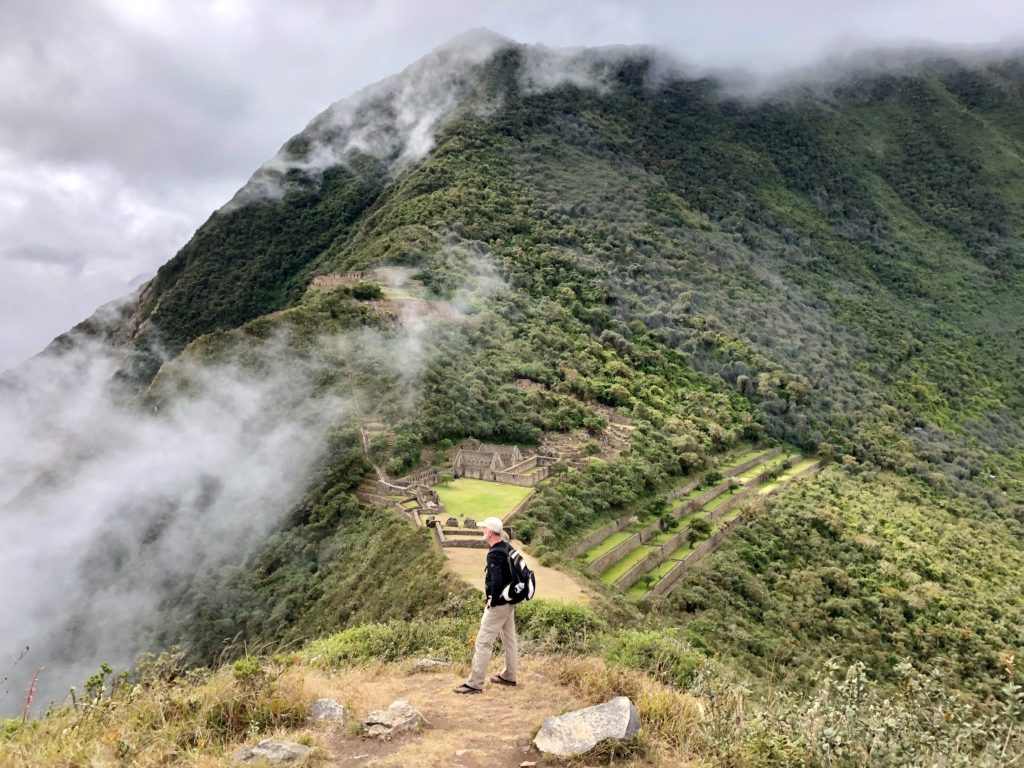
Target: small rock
column 528, row 764
column 429, row 665
column 398, row 717
column 578, row 732
column 274, row 752
column 328, row 709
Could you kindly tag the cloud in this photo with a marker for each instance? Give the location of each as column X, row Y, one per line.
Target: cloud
column 101, row 507
column 104, row 508
column 177, row 102
column 74, row 236
column 394, row 120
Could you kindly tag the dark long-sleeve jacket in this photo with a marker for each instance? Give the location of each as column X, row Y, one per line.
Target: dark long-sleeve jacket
column 498, row 573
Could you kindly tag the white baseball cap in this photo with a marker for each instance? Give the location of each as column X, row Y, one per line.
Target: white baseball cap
column 492, row 524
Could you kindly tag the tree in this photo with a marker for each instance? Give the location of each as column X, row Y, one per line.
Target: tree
column 367, row 291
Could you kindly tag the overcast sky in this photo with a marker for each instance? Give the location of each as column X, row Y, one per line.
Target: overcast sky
column 124, row 123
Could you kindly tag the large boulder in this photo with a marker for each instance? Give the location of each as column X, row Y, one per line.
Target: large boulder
column 577, row 732
column 275, row 752
column 398, row 717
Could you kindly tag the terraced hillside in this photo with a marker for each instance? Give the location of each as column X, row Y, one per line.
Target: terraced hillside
column 648, row 556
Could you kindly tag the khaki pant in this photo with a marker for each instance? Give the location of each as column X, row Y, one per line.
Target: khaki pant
column 499, row 621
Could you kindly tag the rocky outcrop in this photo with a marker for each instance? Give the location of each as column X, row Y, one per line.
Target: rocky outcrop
column 274, row 752
column 578, row 732
column 429, row 665
column 400, row 716
column 328, row 709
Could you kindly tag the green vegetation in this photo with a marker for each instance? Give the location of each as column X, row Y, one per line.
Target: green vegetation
column 367, row 291
column 719, row 500
column 773, row 465
column 840, row 271
column 606, row 546
column 797, row 468
column 871, row 569
column 477, row 499
column 617, row 571
column 663, row 655
column 681, row 552
column 552, row 626
column 693, row 709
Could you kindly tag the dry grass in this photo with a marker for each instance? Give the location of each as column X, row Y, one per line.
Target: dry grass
column 201, row 719
column 166, row 718
column 668, row 716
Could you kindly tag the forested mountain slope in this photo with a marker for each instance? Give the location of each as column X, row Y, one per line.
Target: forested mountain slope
column 836, row 264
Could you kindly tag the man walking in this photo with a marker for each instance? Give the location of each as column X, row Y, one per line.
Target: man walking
column 499, row 617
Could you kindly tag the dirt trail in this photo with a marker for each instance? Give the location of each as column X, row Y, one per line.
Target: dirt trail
column 488, row 730
column 551, row 584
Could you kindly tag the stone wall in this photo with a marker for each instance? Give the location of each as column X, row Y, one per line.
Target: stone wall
column 759, row 459
column 638, row 571
column 671, row 578
column 701, row 499
column 680, row 492
column 474, row 543
column 337, row 279
column 591, row 540
column 524, row 480
column 666, row 548
column 670, row 546
column 524, row 465
column 426, row 476
column 616, row 553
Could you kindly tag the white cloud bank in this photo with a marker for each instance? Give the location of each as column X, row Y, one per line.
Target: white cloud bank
column 175, row 102
column 101, row 507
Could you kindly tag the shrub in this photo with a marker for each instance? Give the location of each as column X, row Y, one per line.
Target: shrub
column 557, row 626
column 391, row 642
column 367, row 291
column 663, row 655
column 701, row 527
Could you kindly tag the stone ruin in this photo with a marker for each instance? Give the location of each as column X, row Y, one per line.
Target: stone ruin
column 349, row 279
column 501, row 464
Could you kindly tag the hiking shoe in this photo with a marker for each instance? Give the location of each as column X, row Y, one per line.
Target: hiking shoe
column 466, row 689
column 502, row 681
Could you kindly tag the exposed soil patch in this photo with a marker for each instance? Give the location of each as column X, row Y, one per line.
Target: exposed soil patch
column 488, row 730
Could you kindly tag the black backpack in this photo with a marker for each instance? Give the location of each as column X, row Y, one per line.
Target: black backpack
column 523, row 584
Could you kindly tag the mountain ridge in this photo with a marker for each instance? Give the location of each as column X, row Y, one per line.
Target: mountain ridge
column 836, row 273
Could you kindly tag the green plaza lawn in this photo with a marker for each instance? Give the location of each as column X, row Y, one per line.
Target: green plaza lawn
column 478, row 499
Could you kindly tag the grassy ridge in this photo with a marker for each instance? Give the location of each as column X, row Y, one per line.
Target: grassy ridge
column 692, row 709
